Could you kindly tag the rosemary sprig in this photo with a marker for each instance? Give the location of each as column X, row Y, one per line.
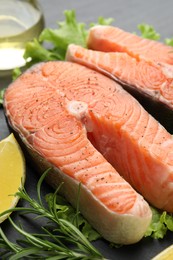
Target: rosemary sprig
column 60, row 238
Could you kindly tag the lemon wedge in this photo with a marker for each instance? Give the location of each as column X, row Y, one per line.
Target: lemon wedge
column 166, row 254
column 12, row 173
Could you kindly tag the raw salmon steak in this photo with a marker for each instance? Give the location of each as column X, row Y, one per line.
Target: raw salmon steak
column 143, row 67
column 113, row 39
column 76, row 120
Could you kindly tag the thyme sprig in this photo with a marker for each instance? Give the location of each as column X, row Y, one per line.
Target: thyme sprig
column 60, row 238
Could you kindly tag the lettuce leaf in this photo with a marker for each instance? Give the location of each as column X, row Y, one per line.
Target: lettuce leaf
column 102, row 21
column 160, row 224
column 35, row 52
column 68, row 31
column 67, row 212
column 16, row 73
column 2, row 95
column 169, row 41
column 147, row 31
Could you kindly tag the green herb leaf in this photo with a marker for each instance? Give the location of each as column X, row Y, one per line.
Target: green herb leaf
column 35, row 52
column 169, row 41
column 148, row 32
column 67, row 212
column 68, row 31
column 2, row 95
column 161, row 223
column 16, row 73
column 102, row 21
column 167, row 219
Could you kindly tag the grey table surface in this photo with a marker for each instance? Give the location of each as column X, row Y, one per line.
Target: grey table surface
column 126, row 14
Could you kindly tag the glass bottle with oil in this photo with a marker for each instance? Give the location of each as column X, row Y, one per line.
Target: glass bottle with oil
column 20, row 22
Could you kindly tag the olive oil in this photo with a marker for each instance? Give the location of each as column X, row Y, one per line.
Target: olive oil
column 20, row 22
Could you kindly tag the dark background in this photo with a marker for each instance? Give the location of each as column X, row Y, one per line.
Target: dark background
column 126, row 14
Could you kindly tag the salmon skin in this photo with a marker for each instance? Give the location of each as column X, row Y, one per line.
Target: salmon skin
column 143, row 67
column 68, row 115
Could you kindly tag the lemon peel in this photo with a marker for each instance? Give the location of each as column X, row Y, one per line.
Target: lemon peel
column 12, row 173
column 166, row 254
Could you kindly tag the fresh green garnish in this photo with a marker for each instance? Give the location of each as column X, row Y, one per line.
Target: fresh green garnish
column 1, row 96
column 16, row 73
column 169, row 41
column 68, row 31
column 102, row 21
column 147, row 31
column 63, row 226
column 38, row 52
column 161, row 223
